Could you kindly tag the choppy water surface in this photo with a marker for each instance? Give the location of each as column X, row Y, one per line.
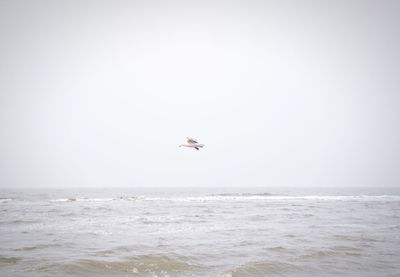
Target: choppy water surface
column 128, row 233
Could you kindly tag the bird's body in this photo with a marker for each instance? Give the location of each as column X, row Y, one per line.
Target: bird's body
column 192, row 143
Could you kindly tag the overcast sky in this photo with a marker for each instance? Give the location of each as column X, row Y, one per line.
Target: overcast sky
column 282, row 93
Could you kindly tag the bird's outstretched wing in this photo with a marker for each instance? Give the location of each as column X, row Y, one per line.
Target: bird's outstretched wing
column 191, row 140
column 197, row 148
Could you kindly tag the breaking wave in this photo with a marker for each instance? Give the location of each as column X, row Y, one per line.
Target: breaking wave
column 5, row 200
column 82, row 199
column 263, row 268
column 238, row 197
column 266, row 197
column 142, row 265
column 8, row 260
column 243, row 194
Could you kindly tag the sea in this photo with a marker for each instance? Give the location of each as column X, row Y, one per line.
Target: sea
column 200, row 232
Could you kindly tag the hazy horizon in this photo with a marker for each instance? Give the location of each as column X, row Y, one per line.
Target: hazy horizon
column 282, row 93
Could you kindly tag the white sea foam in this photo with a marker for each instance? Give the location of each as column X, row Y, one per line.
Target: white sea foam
column 277, row 198
column 233, row 198
column 5, row 200
column 82, row 199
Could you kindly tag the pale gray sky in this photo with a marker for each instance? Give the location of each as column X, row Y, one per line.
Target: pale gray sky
column 283, row 93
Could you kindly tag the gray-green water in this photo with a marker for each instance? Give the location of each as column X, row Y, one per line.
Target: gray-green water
column 235, row 232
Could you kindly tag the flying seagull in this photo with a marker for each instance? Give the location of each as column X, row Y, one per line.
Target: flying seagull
column 193, row 143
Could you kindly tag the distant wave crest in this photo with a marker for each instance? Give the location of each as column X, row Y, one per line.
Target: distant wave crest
column 244, row 194
column 5, row 200
column 239, row 197
column 81, row 199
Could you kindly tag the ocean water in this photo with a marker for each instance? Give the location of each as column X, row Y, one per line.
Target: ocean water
column 203, row 232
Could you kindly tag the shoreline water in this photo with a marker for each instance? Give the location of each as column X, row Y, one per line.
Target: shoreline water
column 220, row 232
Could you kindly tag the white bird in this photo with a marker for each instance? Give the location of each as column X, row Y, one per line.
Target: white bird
column 192, row 143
